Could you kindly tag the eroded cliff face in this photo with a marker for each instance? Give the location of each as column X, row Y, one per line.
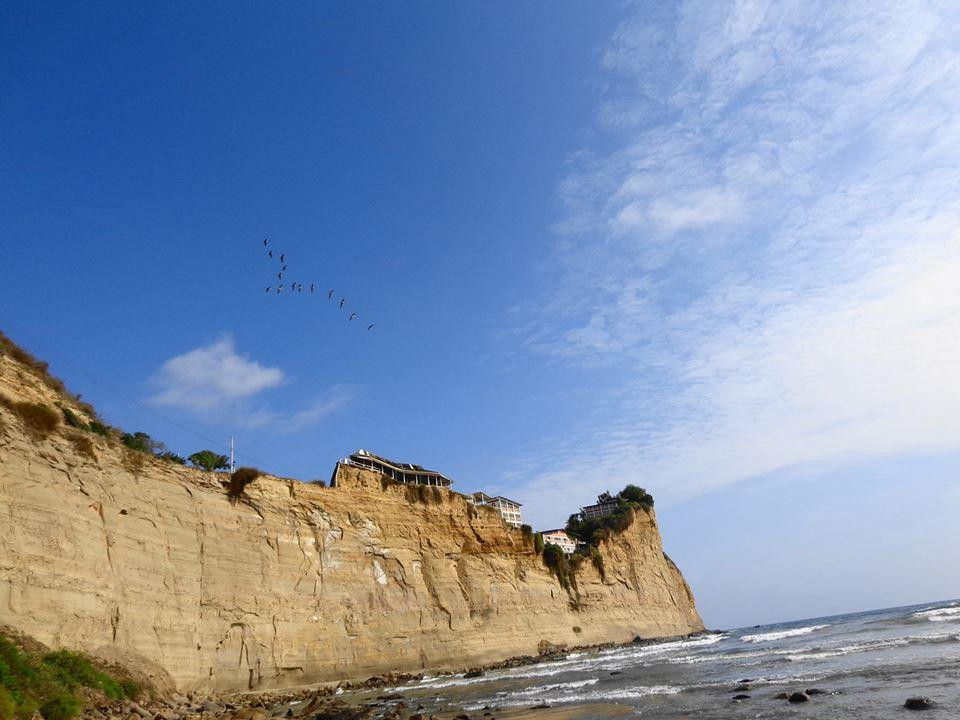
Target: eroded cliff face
column 296, row 583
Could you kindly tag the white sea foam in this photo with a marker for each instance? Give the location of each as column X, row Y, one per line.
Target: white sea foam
column 781, row 634
column 556, row 687
column 945, row 614
column 523, row 698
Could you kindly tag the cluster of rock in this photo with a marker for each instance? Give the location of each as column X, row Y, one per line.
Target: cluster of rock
column 311, row 704
column 802, row 696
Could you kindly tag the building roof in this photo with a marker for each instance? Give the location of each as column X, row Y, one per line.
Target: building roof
column 605, row 503
column 480, row 495
column 554, row 532
column 399, row 466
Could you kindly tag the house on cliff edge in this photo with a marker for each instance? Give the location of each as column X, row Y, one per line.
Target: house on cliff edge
column 406, row 473
column 509, row 509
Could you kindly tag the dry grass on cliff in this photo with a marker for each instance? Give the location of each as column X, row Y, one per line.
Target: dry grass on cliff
column 42, row 370
column 133, row 461
column 82, row 444
column 239, row 480
column 426, row 494
column 39, row 420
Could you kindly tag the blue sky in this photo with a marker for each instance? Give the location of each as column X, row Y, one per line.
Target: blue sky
column 707, row 248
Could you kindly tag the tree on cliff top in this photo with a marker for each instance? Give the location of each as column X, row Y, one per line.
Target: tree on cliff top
column 209, row 460
column 597, row 529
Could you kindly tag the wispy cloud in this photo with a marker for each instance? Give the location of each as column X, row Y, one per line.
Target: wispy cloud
column 292, row 422
column 770, row 254
column 215, row 382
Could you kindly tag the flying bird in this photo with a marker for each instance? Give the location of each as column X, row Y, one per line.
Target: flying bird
column 342, row 301
column 312, row 287
column 264, row 242
column 279, row 276
column 352, row 316
column 270, row 253
column 299, row 287
column 330, row 295
column 370, row 326
column 267, row 290
column 283, row 269
column 279, row 288
column 282, row 256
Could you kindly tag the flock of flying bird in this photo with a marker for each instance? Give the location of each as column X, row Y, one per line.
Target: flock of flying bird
column 298, row 287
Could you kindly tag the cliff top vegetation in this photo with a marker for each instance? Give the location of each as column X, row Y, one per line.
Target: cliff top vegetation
column 595, row 530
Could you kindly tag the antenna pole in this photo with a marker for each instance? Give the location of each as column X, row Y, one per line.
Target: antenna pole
column 233, row 465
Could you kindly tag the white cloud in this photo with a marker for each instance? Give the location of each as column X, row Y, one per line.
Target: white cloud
column 217, row 383
column 772, row 252
column 211, row 377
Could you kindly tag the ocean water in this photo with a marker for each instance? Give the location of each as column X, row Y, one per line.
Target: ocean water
column 867, row 663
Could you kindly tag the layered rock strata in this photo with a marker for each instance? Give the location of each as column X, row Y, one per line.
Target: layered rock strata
column 126, row 556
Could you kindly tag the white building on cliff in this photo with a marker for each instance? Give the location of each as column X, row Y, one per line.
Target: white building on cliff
column 559, row 537
column 509, row 509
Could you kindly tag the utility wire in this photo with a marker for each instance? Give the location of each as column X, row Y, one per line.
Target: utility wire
column 129, row 398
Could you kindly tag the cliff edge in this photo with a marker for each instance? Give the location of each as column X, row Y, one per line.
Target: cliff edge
column 117, row 553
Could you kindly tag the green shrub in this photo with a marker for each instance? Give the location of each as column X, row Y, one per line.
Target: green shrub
column 62, row 706
column 239, row 479
column 209, row 460
column 596, row 557
column 8, row 707
column 137, row 441
column 538, row 543
column 632, row 493
column 555, row 559
column 49, row 683
column 74, row 670
column 597, row 530
column 173, row 457
column 100, row 428
column 70, row 417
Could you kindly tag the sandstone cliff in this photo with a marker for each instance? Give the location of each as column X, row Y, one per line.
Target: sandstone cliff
column 129, row 556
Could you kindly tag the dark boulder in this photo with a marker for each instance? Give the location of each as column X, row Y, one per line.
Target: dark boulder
column 742, row 687
column 815, row 691
column 919, row 703
column 798, row 697
column 475, row 672
column 782, row 696
column 741, row 696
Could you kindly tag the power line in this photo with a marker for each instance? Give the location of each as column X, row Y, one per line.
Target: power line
column 129, row 398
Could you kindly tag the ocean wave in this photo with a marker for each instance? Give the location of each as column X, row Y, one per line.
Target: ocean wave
column 515, row 700
column 781, row 634
column 821, row 653
column 556, row 687
column 944, row 614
